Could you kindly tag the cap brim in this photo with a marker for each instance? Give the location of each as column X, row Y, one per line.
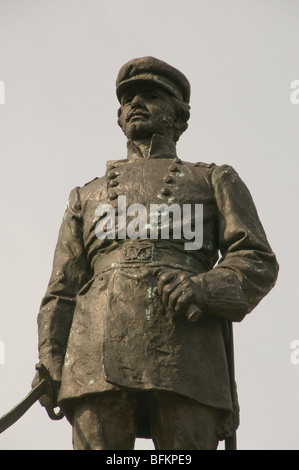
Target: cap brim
column 157, row 79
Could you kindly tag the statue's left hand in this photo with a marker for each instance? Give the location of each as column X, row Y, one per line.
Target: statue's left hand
column 178, row 289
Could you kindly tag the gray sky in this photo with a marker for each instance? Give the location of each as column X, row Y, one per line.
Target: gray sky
column 59, row 61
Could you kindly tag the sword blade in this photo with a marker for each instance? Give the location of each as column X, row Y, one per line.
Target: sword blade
column 20, row 409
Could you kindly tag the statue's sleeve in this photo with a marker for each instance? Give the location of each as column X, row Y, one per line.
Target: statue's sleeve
column 248, row 268
column 69, row 273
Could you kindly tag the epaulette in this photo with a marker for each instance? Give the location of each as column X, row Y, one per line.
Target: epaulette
column 111, row 164
column 96, row 178
column 205, row 165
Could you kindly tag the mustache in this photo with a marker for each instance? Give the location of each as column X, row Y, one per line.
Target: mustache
column 137, row 112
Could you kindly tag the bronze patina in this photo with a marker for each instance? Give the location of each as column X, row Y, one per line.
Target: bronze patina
column 136, row 331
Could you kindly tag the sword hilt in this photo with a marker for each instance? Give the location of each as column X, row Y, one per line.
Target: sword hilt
column 193, row 313
column 48, row 397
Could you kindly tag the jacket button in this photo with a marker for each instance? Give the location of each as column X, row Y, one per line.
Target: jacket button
column 111, row 176
column 112, row 183
column 165, row 192
column 113, row 195
column 168, row 179
column 173, row 168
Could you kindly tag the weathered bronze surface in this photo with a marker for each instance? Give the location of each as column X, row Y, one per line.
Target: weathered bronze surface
column 114, row 325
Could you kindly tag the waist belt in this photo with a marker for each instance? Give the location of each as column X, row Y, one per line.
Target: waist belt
column 136, row 254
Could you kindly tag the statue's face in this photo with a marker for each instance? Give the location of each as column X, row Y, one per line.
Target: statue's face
column 146, row 109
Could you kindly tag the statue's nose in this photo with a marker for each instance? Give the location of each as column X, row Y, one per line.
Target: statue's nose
column 137, row 101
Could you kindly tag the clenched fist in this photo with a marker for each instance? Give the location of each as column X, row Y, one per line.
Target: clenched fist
column 179, row 291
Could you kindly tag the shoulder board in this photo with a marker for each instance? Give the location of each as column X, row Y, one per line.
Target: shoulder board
column 96, row 178
column 111, row 164
column 205, row 165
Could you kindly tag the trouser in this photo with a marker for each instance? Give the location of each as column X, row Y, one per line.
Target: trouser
column 109, row 421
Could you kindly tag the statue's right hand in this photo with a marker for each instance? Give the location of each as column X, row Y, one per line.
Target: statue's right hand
column 179, row 292
column 55, row 389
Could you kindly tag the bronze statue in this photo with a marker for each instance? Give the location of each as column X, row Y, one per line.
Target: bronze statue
column 127, row 356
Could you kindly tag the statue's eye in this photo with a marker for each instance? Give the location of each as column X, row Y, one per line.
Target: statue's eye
column 127, row 100
column 153, row 96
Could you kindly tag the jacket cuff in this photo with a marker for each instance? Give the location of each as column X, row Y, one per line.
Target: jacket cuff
column 222, row 295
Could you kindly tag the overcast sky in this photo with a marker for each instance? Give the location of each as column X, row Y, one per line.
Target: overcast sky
column 59, row 60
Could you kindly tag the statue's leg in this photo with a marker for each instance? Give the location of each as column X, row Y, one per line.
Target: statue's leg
column 179, row 423
column 106, row 421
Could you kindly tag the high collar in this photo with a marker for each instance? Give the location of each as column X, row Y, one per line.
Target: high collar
column 157, row 147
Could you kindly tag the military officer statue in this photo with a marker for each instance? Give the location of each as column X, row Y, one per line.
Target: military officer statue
column 115, row 328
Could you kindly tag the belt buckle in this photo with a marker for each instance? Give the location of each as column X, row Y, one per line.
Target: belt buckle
column 138, row 253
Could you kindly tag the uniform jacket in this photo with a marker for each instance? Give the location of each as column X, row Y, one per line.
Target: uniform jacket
column 101, row 323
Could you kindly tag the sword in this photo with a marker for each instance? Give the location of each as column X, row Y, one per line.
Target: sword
column 43, row 388
column 231, row 442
